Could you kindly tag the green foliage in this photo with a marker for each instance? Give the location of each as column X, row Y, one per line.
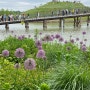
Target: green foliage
column 12, row 78
column 70, row 77
column 44, row 86
column 7, row 12
column 12, row 44
column 66, row 66
column 46, row 9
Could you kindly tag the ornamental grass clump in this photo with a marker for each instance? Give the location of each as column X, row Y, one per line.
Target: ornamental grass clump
column 70, row 77
column 5, row 53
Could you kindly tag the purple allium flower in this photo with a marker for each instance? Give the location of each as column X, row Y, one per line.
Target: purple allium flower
column 30, row 64
column 84, row 33
column 29, row 36
column 38, row 43
column 12, row 31
column 20, row 37
column 44, row 57
column 40, row 54
column 19, row 53
column 5, row 53
column 17, row 65
column 81, row 42
column 72, row 40
column 83, row 48
column 57, row 36
column 66, row 42
column 40, row 33
column 15, row 36
column 47, row 38
column 83, row 45
column 85, row 39
column 61, row 39
column 53, row 36
column 23, row 36
column 77, row 39
column 40, row 47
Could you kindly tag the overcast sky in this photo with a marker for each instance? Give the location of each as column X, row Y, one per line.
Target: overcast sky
column 23, row 5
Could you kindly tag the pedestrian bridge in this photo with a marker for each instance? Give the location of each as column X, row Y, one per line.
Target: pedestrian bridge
column 76, row 20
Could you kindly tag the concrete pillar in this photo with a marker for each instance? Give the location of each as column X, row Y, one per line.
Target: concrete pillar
column 7, row 27
column 74, row 22
column 62, row 25
column 59, row 23
column 80, row 21
column 27, row 26
column 77, row 22
column 44, row 25
column 88, row 21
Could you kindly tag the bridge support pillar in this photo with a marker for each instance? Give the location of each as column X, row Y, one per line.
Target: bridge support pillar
column 7, row 27
column 44, row 25
column 62, row 25
column 27, row 26
column 88, row 21
column 74, row 22
column 59, row 23
column 77, row 22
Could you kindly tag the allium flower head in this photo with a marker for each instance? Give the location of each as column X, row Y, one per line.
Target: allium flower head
column 61, row 39
column 66, row 42
column 19, row 53
column 38, row 43
column 29, row 36
column 40, row 33
column 57, row 36
column 85, row 39
column 5, row 53
column 84, row 33
column 23, row 36
column 17, row 65
column 20, row 37
column 40, row 54
column 12, row 31
column 40, row 47
column 44, row 57
column 83, row 48
column 47, row 38
column 30, row 64
column 77, row 39
column 81, row 42
column 72, row 40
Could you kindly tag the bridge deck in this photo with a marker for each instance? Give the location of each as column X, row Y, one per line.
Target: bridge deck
column 45, row 18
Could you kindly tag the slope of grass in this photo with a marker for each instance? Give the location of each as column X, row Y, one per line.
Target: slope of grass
column 47, row 8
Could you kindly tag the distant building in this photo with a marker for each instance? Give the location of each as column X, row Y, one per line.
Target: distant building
column 54, row 0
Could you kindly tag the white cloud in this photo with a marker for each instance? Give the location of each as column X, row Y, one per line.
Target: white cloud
column 3, row 2
column 23, row 3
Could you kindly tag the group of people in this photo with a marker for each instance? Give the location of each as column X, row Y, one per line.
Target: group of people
column 12, row 17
